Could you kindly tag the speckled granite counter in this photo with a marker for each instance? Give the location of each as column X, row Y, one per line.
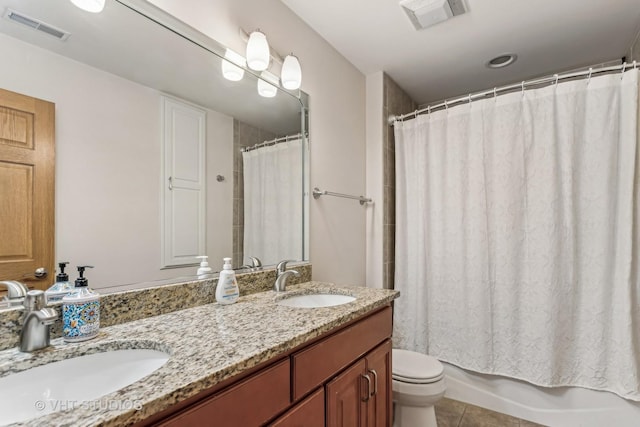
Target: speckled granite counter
column 208, row 344
column 127, row 306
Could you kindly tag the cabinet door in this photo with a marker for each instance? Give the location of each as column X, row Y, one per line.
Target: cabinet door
column 346, row 394
column 379, row 406
column 308, row 413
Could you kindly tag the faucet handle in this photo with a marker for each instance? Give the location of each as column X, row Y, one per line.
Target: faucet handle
column 282, row 265
column 34, row 300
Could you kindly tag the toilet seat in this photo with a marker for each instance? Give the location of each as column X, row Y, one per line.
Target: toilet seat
column 415, row 368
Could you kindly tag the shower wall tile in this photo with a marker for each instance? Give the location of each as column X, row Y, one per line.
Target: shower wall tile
column 395, row 102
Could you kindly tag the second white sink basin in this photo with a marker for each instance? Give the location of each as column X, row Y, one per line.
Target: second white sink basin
column 316, row 300
column 72, row 383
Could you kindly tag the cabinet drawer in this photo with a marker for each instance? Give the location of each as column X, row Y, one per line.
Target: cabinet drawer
column 308, row 413
column 251, row 402
column 316, row 364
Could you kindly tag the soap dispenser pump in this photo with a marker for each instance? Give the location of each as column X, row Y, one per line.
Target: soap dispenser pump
column 61, row 288
column 204, row 268
column 227, row 291
column 81, row 311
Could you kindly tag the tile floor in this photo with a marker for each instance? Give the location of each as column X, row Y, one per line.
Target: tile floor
column 451, row 413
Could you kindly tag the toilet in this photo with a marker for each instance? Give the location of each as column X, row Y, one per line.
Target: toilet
column 418, row 383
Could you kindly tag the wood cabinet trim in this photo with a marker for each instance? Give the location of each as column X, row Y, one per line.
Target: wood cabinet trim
column 242, row 403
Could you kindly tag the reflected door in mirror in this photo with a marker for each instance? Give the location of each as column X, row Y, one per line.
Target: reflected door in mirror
column 27, row 132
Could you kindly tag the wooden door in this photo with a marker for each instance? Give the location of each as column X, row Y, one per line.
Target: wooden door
column 346, row 405
column 27, row 158
column 380, row 406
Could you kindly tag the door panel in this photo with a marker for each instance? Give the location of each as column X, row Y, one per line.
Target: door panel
column 345, row 406
column 27, row 176
column 379, row 408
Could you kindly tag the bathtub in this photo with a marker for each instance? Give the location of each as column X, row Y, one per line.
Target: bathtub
column 556, row 407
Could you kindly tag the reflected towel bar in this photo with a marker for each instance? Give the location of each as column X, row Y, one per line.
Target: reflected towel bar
column 317, row 193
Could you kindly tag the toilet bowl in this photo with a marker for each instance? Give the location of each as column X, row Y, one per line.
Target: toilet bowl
column 418, row 383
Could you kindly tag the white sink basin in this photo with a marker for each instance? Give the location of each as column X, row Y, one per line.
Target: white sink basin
column 72, row 383
column 316, row 300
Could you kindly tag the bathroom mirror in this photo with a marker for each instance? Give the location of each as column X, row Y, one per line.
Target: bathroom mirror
column 109, row 74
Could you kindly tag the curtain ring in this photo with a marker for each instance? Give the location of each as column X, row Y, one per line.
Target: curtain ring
column 469, row 99
column 495, row 93
column 557, row 78
column 634, row 64
column 522, row 85
column 429, row 110
column 445, row 105
column 589, row 78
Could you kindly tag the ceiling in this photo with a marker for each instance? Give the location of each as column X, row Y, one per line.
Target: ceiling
column 125, row 43
column 448, row 59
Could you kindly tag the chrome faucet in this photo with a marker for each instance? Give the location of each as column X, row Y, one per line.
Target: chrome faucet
column 256, row 264
column 282, row 274
column 36, row 321
column 16, row 291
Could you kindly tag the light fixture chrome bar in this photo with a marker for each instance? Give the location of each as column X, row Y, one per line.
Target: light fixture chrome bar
column 274, row 141
column 526, row 84
column 317, row 193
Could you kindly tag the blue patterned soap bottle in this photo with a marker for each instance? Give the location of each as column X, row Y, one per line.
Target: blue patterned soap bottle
column 81, row 311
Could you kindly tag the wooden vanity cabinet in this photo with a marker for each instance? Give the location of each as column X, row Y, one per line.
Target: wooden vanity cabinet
column 340, row 379
column 361, row 395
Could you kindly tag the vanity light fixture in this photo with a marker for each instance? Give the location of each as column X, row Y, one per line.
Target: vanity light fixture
column 258, row 55
column 94, row 6
column 267, row 84
column 233, row 66
column 291, row 74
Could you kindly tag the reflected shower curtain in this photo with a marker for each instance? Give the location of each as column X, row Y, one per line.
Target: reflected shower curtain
column 273, row 201
column 517, row 235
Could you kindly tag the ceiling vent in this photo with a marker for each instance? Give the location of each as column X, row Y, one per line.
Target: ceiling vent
column 426, row 13
column 36, row 24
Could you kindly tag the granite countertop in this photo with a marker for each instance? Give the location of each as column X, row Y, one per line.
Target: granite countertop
column 207, row 344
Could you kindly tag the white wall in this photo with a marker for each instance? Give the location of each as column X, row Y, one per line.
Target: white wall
column 108, row 166
column 337, row 116
column 375, row 174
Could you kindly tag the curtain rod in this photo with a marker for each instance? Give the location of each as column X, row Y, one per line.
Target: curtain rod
column 274, row 141
column 555, row 78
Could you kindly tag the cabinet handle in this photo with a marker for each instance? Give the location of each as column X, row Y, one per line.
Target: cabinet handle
column 170, row 183
column 368, row 395
column 375, row 381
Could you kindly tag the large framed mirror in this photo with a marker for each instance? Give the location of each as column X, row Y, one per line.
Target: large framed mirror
column 120, row 81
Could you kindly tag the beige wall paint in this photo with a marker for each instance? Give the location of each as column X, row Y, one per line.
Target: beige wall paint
column 337, row 116
column 108, row 166
column 634, row 50
column 375, row 174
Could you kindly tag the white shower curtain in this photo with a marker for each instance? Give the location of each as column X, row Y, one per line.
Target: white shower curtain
column 517, row 235
column 273, row 200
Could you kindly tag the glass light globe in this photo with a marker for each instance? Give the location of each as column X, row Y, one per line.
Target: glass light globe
column 291, row 74
column 232, row 66
column 267, row 85
column 94, row 6
column 258, row 55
